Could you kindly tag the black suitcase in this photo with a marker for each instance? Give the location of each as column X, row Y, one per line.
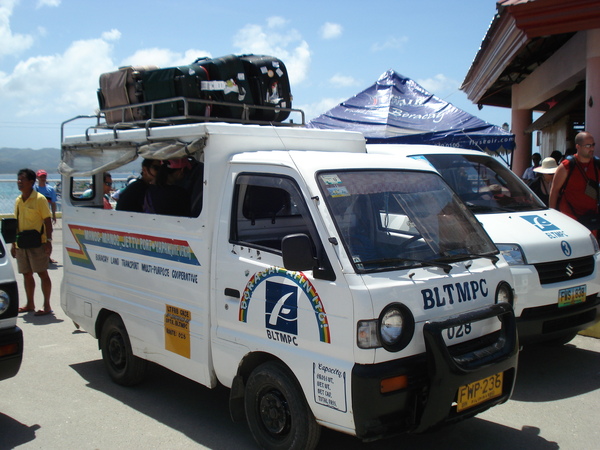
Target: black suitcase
column 228, row 83
column 160, row 85
column 183, row 81
column 270, row 85
column 188, row 84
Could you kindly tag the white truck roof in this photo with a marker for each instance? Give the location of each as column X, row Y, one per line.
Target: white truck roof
column 109, row 149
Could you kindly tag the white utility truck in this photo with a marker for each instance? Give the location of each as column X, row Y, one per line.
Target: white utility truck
column 11, row 336
column 324, row 286
column 554, row 259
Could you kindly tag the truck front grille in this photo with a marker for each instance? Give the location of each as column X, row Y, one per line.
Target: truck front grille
column 569, row 269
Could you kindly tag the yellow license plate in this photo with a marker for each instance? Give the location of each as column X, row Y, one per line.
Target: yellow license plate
column 571, row 296
column 479, row 391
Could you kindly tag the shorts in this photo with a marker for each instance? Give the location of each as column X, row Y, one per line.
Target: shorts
column 32, row 259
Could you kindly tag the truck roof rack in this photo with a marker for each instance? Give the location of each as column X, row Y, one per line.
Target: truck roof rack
column 186, row 104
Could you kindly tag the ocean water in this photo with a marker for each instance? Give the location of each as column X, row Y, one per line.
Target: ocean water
column 9, row 191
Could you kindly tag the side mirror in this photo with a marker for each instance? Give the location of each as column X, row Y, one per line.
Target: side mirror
column 297, row 251
column 9, row 230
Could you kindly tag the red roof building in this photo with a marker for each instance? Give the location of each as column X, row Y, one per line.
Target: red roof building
column 542, row 56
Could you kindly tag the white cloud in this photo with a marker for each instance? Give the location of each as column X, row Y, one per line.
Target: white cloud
column 392, row 43
column 112, row 35
column 163, row 57
column 339, row 80
column 276, row 22
column 331, row 30
column 316, row 109
column 439, row 85
column 60, row 83
column 287, row 46
column 12, row 43
column 52, row 3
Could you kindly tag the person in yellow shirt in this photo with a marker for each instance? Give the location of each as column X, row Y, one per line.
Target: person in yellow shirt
column 33, row 213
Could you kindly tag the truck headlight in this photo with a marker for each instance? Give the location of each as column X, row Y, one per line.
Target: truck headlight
column 4, row 302
column 505, row 294
column 396, row 326
column 393, row 330
column 513, row 253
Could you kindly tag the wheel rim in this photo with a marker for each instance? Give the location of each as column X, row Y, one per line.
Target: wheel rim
column 274, row 412
column 116, row 351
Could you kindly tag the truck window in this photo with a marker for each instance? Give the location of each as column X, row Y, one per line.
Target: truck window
column 265, row 210
column 484, row 184
column 399, row 219
column 82, row 188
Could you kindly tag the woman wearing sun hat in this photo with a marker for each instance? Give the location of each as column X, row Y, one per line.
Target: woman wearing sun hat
column 541, row 185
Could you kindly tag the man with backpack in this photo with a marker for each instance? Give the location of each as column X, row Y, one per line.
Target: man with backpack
column 574, row 190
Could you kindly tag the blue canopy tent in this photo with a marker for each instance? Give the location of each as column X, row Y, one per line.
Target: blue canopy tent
column 396, row 110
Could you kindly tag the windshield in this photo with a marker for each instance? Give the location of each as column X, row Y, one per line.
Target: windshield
column 484, row 184
column 390, row 219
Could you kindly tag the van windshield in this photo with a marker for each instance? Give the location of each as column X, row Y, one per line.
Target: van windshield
column 484, row 184
column 391, row 219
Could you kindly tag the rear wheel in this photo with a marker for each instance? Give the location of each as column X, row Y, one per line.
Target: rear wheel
column 122, row 365
column 277, row 413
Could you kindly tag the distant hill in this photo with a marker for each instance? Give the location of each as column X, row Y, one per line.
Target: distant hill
column 14, row 159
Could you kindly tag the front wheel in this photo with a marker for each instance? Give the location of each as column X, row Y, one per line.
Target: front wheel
column 122, row 365
column 277, row 413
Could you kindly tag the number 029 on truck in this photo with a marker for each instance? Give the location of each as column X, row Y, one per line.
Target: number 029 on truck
column 324, row 286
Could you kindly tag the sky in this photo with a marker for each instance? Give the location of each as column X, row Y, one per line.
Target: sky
column 52, row 52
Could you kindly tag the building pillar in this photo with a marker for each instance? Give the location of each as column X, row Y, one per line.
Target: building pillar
column 521, row 160
column 592, row 84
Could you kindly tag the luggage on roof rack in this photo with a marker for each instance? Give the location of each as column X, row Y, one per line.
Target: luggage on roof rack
column 247, row 89
column 121, row 88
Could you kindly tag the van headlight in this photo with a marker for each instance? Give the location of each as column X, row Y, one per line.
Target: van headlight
column 595, row 243
column 513, row 253
column 505, row 294
column 4, row 302
column 393, row 330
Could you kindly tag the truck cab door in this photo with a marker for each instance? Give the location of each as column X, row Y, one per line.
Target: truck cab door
column 261, row 305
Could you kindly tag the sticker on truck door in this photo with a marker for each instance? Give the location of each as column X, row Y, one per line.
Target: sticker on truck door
column 282, row 295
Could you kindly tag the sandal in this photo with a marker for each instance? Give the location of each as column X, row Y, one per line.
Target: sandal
column 42, row 312
column 24, row 309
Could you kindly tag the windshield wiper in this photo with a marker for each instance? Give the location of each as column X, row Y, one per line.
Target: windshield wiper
column 447, row 267
column 486, row 208
column 460, row 256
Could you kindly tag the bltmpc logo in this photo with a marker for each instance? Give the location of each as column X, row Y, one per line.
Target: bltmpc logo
column 541, row 223
column 281, row 307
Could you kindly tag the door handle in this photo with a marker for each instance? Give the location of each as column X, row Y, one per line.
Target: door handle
column 232, row 293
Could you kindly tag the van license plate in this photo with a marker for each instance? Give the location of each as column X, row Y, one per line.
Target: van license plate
column 480, row 391
column 571, row 296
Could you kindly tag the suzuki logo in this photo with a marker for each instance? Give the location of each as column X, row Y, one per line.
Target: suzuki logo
column 570, row 270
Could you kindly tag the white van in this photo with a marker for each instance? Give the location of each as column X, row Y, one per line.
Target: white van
column 553, row 258
column 324, row 286
column 11, row 336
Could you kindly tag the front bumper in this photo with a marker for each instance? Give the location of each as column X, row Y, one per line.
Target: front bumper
column 434, row 378
column 11, row 352
column 548, row 322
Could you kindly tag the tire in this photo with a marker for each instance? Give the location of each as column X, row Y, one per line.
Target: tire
column 277, row 413
column 122, row 365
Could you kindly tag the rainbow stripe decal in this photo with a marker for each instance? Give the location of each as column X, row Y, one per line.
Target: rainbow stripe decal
column 302, row 282
column 164, row 248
